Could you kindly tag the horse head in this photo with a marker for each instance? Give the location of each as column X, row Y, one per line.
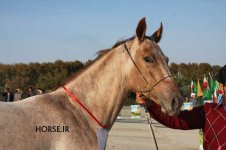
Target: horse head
column 148, row 70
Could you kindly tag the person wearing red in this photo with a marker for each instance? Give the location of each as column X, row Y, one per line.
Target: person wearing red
column 210, row 117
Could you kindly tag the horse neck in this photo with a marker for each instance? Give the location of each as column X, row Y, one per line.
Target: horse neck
column 102, row 88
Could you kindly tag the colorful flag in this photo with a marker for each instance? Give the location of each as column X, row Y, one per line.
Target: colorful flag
column 220, row 89
column 193, row 87
column 215, row 95
column 199, row 89
column 206, row 93
column 212, row 86
column 205, row 82
column 217, row 84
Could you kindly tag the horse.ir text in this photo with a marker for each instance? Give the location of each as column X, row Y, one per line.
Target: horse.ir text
column 52, row 128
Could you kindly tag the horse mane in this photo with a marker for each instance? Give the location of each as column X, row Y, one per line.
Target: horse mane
column 122, row 41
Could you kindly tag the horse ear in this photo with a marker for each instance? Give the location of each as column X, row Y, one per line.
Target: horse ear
column 141, row 29
column 158, row 34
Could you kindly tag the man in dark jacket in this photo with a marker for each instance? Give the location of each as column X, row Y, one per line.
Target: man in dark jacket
column 8, row 95
column 211, row 118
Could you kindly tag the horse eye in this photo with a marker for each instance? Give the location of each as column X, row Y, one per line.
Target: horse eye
column 148, row 59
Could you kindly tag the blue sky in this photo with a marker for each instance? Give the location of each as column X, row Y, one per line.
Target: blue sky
column 47, row 30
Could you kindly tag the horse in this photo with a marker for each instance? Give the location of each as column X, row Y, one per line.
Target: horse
column 70, row 117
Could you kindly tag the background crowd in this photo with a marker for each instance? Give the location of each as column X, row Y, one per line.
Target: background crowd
column 11, row 96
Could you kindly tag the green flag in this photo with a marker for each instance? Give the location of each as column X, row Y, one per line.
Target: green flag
column 212, row 85
column 217, row 84
column 206, row 91
column 193, row 87
column 207, row 95
column 195, row 90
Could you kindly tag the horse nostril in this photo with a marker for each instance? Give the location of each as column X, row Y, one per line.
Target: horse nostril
column 174, row 103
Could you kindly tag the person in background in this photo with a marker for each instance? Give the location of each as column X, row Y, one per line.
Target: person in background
column 211, row 117
column 18, row 95
column 39, row 91
column 31, row 92
column 8, row 95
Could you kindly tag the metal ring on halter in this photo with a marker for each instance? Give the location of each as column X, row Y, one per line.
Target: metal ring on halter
column 150, row 87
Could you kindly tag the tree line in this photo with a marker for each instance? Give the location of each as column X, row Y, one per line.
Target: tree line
column 184, row 73
column 48, row 76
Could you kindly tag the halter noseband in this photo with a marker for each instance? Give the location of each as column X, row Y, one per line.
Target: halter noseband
column 151, row 87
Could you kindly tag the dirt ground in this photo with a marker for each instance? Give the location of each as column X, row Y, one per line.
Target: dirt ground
column 128, row 134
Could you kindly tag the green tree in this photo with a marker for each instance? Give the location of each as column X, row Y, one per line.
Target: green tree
column 51, row 80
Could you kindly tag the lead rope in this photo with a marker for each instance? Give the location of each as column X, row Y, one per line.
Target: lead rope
column 151, row 127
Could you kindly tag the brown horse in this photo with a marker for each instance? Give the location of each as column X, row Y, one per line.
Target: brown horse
column 56, row 121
